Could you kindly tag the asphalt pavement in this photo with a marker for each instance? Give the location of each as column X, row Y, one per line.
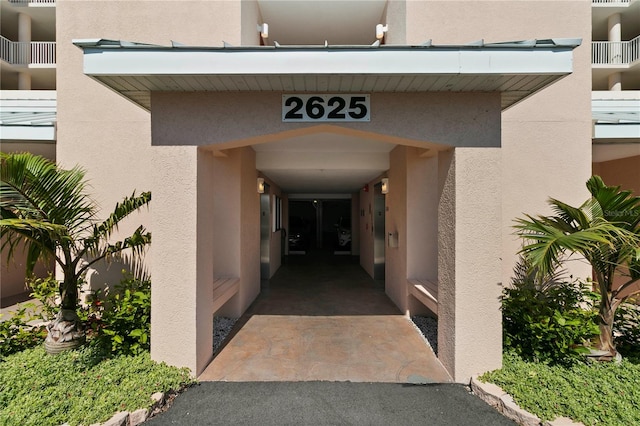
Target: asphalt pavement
column 328, row 403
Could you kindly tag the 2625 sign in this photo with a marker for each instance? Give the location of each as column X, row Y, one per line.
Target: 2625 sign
column 312, row 108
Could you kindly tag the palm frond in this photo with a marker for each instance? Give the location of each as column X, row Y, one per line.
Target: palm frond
column 102, row 232
column 618, row 205
column 136, row 243
column 34, row 187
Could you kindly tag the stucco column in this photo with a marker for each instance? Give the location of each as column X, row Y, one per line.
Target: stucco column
column 615, row 38
column 24, row 81
column 24, row 28
column 615, row 81
column 181, row 273
column 615, row 29
column 24, row 36
column 469, row 264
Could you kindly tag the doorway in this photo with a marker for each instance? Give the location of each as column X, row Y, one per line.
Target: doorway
column 320, row 225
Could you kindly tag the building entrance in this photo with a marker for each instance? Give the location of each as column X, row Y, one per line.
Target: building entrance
column 323, row 318
column 320, row 224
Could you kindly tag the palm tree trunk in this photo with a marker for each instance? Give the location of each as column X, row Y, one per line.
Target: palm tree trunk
column 65, row 331
column 606, row 317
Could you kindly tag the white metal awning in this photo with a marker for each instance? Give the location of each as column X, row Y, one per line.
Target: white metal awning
column 515, row 69
column 28, row 115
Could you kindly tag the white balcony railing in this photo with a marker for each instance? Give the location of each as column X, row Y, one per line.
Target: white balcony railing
column 625, row 2
column 35, row 52
column 615, row 52
column 27, row 2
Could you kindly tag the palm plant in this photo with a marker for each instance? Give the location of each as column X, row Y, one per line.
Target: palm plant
column 47, row 209
column 605, row 230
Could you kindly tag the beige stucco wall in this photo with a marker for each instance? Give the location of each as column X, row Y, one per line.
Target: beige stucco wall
column 396, row 225
column 249, row 231
column 545, row 139
column 469, row 258
column 111, row 138
column 406, row 118
column 545, row 152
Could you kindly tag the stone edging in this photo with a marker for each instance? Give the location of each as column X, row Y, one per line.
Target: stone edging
column 124, row 418
column 503, row 402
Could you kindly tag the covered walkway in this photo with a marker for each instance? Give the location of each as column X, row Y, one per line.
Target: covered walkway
column 321, row 317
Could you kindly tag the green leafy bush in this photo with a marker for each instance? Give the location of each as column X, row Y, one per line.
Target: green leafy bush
column 16, row 335
column 45, row 290
column 121, row 321
column 546, row 319
column 595, row 394
column 627, row 330
column 79, row 387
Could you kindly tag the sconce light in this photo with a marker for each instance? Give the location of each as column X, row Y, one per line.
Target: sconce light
column 385, row 185
column 264, row 30
column 380, row 30
column 260, row 186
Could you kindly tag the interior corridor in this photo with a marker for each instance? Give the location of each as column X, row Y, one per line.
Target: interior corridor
column 321, row 317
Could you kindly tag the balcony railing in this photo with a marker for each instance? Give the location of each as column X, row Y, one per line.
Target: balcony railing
column 615, row 52
column 27, row 2
column 21, row 53
column 625, row 2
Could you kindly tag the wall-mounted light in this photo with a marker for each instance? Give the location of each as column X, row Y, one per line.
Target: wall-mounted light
column 380, row 30
column 385, row 185
column 260, row 186
column 264, row 30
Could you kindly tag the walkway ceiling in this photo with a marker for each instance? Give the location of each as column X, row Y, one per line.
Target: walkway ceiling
column 340, row 163
column 323, row 162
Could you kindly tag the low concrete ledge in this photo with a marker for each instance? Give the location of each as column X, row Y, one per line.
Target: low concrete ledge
column 504, row 403
column 223, row 290
column 426, row 292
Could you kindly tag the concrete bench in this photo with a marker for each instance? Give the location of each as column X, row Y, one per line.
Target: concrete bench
column 426, row 292
column 223, row 290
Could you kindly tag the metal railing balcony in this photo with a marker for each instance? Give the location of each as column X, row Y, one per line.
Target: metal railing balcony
column 615, row 52
column 33, row 53
column 610, row 2
column 28, row 2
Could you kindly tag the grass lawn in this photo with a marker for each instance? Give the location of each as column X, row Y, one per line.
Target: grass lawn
column 594, row 394
column 77, row 387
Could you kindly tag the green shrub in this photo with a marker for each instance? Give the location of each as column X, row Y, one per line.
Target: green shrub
column 546, row 319
column 605, row 393
column 16, row 335
column 121, row 321
column 45, row 290
column 627, row 330
column 78, row 387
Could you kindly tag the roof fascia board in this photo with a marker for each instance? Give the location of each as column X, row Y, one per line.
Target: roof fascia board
column 443, row 61
column 29, row 133
column 616, row 131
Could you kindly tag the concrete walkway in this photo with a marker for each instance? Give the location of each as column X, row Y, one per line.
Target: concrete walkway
column 322, row 318
column 314, row 349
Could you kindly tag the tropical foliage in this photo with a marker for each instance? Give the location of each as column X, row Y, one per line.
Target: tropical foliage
column 605, row 230
column 121, row 318
column 47, row 209
column 547, row 318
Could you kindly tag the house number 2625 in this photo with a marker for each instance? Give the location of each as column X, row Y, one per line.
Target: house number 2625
column 339, row 107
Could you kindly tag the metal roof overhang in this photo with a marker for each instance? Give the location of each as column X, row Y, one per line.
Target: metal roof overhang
column 514, row 69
